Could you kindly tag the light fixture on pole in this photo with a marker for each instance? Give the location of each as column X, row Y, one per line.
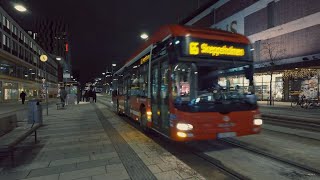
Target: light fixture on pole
column 44, row 58
column 58, row 58
column 103, row 73
column 20, row 8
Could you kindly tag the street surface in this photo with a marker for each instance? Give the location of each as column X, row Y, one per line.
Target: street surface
column 89, row 141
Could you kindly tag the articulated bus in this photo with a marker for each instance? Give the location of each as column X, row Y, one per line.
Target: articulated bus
column 190, row 83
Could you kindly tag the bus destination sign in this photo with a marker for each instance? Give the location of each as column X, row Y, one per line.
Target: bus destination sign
column 145, row 59
column 203, row 48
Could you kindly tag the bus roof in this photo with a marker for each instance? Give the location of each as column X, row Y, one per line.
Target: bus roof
column 195, row 32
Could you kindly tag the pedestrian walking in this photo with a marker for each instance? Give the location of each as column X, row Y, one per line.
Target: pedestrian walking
column 78, row 94
column 23, row 96
column 94, row 93
column 84, row 96
column 63, row 96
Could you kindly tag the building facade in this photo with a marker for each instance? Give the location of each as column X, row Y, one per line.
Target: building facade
column 285, row 35
column 20, row 66
column 51, row 34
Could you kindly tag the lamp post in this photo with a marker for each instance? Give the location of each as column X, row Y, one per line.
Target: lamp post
column 44, row 58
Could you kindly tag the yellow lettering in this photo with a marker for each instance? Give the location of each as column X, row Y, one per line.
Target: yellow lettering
column 205, row 48
column 145, row 59
column 193, row 48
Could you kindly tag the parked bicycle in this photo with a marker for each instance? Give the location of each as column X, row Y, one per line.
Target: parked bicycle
column 299, row 101
column 312, row 103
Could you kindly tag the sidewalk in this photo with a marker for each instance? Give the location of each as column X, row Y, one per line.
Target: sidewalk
column 11, row 107
column 81, row 142
column 285, row 109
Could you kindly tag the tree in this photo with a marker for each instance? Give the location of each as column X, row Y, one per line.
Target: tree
column 271, row 52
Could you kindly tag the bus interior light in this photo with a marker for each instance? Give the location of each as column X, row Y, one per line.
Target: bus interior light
column 184, row 126
column 177, row 42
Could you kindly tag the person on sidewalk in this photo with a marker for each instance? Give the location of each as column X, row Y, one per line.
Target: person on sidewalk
column 63, row 96
column 23, row 96
column 78, row 94
column 94, row 93
column 91, row 94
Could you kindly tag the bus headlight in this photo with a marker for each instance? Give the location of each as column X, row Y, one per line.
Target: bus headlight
column 184, row 127
column 257, row 122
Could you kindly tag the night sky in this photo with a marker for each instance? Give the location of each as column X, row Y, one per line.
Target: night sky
column 104, row 31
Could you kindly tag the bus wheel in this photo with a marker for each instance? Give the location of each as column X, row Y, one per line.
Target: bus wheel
column 143, row 120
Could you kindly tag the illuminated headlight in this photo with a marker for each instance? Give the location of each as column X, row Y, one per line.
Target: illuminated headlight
column 182, row 134
column 184, row 127
column 257, row 122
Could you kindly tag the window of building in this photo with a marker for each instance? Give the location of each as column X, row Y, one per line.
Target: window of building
column 14, row 29
column 3, row 39
column 21, row 52
column 15, row 48
column 3, row 20
column 8, row 23
column 6, row 41
column 270, row 9
column 21, row 35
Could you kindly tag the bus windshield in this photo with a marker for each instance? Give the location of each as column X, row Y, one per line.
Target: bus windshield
column 207, row 87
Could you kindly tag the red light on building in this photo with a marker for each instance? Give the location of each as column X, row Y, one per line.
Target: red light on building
column 67, row 47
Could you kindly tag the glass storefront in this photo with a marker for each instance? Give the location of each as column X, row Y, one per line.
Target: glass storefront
column 30, row 89
column 10, row 91
column 287, row 85
column 262, row 85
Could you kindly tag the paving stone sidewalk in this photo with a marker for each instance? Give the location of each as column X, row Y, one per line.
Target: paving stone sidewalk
column 74, row 145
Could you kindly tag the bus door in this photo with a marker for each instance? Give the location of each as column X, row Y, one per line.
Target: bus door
column 160, row 95
column 127, row 95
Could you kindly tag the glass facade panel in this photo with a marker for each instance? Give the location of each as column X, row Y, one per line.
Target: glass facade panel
column 11, row 91
column 262, row 82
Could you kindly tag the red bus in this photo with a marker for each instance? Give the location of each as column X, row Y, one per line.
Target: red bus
column 190, row 83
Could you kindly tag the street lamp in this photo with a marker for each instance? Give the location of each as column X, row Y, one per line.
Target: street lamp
column 44, row 58
column 20, row 8
column 103, row 73
column 58, row 58
column 144, row 36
